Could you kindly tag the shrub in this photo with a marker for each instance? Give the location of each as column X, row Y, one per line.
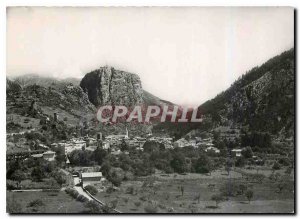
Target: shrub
column 217, row 198
column 91, row 189
column 72, row 192
column 137, row 204
column 229, row 189
column 130, row 190
column 36, row 203
column 150, row 208
column 143, row 198
column 93, row 207
column 82, row 198
column 125, row 199
column 276, row 166
column 114, row 203
column 249, row 195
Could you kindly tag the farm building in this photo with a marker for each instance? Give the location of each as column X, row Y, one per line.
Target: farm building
column 212, row 149
column 49, row 155
column 91, row 177
column 236, row 152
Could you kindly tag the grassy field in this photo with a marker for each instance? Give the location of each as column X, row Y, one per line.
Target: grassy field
column 166, row 195
column 54, row 202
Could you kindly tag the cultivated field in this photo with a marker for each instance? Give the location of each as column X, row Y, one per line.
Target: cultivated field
column 166, row 195
column 53, row 202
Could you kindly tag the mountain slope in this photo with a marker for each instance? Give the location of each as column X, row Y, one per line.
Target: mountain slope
column 48, row 96
column 262, row 99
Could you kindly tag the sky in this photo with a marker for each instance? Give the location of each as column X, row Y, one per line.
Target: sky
column 183, row 55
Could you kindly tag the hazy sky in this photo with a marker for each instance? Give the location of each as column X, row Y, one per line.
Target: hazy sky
column 184, row 55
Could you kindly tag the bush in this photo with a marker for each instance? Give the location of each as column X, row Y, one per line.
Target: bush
column 150, row 209
column 130, row 190
column 82, row 198
column 91, row 189
column 36, row 203
column 230, row 189
column 276, row 166
column 114, row 203
column 249, row 195
column 93, row 207
column 137, row 204
column 217, row 198
column 72, row 192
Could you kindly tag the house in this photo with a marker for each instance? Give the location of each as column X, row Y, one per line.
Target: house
column 91, row 177
column 181, row 143
column 49, row 155
column 236, row 152
column 212, row 149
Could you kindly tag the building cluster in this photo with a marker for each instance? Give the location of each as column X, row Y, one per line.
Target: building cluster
column 204, row 143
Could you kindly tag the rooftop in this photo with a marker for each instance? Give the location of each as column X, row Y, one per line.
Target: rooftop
column 91, row 174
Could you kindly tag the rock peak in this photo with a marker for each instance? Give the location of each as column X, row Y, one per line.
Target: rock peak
column 109, row 86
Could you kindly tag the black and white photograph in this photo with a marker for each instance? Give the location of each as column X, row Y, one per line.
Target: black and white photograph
column 150, row 110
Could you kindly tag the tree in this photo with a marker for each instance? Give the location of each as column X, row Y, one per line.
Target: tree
column 197, row 197
column 124, row 146
column 217, row 198
column 37, row 174
column 93, row 207
column 203, row 164
column 115, row 178
column 99, row 155
column 18, row 176
column 249, row 195
column 91, row 189
column 178, row 163
column 182, row 189
column 280, row 187
column 216, row 135
column 247, row 152
column 60, row 178
column 240, row 162
column 152, row 146
column 227, row 169
column 114, row 203
column 276, row 166
column 242, row 188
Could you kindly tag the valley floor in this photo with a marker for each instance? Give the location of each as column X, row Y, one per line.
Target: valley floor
column 166, row 194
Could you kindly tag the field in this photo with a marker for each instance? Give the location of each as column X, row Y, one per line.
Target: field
column 167, row 196
column 54, row 202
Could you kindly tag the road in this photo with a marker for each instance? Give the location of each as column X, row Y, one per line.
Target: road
column 79, row 188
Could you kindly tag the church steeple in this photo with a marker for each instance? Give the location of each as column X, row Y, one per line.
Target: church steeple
column 126, row 136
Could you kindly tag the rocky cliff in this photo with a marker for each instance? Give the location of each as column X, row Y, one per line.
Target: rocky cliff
column 108, row 86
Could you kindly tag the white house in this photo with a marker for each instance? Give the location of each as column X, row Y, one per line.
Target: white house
column 236, row 152
column 91, row 177
column 213, row 149
column 49, row 155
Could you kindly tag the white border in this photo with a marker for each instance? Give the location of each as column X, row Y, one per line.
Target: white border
column 5, row 3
